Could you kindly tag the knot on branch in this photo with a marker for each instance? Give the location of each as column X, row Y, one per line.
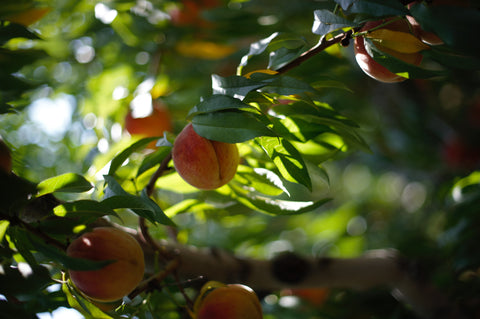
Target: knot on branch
column 290, row 268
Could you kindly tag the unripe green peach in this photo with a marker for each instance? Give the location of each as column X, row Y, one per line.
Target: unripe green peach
column 204, row 163
column 115, row 280
column 5, row 158
column 234, row 301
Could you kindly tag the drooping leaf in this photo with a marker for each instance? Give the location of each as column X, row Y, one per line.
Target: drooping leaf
column 257, row 48
column 262, row 180
column 78, row 302
column 274, row 206
column 14, row 30
column 14, row 282
column 65, row 183
column 376, row 8
column 230, row 126
column 216, row 103
column 326, row 21
column 236, row 86
column 287, row 85
column 153, row 159
column 116, row 197
column 122, row 156
column 287, row 159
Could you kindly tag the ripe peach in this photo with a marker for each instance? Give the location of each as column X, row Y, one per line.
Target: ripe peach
column 29, row 16
column 232, row 301
column 204, row 163
column 115, row 280
column 375, row 69
column 154, row 124
column 5, row 158
column 191, row 13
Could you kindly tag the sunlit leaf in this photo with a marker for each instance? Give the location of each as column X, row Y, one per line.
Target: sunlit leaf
column 326, row 21
column 237, row 86
column 287, row 159
column 118, row 161
column 65, row 183
column 153, row 159
column 216, row 103
column 117, row 197
column 274, row 206
column 230, row 126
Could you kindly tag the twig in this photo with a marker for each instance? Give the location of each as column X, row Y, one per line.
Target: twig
column 321, row 46
column 161, row 169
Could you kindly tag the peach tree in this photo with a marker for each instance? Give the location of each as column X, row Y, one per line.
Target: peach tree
column 252, row 151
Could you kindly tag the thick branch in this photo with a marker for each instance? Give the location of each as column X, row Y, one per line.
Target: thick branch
column 379, row 268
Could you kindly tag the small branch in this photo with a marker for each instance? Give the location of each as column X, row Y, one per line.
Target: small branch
column 161, row 169
column 321, row 46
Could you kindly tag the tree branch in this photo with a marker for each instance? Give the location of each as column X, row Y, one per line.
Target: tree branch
column 321, row 46
column 378, row 268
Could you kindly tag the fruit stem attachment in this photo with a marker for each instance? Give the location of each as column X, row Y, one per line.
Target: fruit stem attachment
column 321, row 46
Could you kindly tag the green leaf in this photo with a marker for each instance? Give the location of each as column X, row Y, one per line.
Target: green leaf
column 14, row 282
column 376, row 8
column 326, row 21
column 14, row 30
column 14, row 60
column 262, row 180
column 230, row 126
column 117, row 197
column 287, row 159
column 65, row 183
column 3, row 228
column 453, row 24
column 123, row 155
column 90, row 208
column 237, row 86
column 282, row 56
column 15, row 193
column 274, row 206
column 153, row 159
column 257, row 48
column 78, row 302
column 216, row 103
column 286, row 85
column 453, row 59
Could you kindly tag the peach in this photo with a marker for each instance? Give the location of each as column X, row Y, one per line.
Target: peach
column 155, row 124
column 232, row 301
column 204, row 163
column 375, row 69
column 115, row 280
column 5, row 158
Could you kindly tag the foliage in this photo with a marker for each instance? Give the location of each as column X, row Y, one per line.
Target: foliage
column 333, row 163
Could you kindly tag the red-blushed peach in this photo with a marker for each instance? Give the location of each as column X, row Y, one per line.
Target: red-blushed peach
column 233, row 301
column 115, row 280
column 5, row 157
column 204, row 163
column 154, row 124
column 390, row 43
